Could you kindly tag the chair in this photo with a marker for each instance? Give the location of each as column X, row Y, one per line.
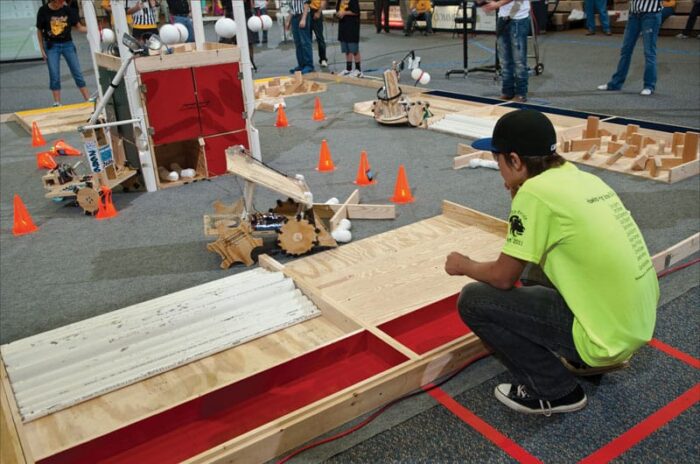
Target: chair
column 459, row 19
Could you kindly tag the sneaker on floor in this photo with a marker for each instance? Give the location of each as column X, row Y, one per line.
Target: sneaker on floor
column 324, row 63
column 517, row 398
column 519, row 99
column 681, row 36
column 56, row 104
column 603, row 87
column 307, row 70
column 590, row 32
column 344, row 72
column 583, row 370
column 506, row 97
column 293, row 70
column 646, row 92
column 356, row 73
column 608, row 33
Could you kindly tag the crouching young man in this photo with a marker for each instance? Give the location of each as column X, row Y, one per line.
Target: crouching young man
column 599, row 304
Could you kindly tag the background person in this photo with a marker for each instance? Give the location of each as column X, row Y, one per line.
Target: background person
column 419, row 9
column 602, row 7
column 316, row 12
column 348, row 12
column 54, row 22
column 381, row 10
column 144, row 15
column 180, row 13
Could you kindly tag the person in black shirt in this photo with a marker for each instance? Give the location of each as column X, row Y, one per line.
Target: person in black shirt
column 248, row 9
column 54, row 22
column 348, row 12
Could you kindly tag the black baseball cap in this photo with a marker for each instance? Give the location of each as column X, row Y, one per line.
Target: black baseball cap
column 525, row 132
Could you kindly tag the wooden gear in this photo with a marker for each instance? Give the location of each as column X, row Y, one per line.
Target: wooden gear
column 297, row 236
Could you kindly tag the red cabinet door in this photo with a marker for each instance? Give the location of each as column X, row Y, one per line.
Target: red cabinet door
column 220, row 98
column 172, row 105
column 216, row 146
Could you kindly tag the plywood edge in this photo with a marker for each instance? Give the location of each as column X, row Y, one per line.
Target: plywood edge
column 282, row 435
column 367, row 81
column 678, row 252
column 470, row 216
column 342, row 212
column 187, row 60
column 14, row 447
column 684, row 171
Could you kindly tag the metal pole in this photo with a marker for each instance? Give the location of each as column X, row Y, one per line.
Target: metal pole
column 108, row 124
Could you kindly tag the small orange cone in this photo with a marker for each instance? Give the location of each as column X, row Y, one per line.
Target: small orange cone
column 106, row 208
column 23, row 221
column 281, row 117
column 364, row 172
column 44, row 160
column 325, row 162
column 37, row 138
column 402, row 191
column 61, row 148
column 318, row 111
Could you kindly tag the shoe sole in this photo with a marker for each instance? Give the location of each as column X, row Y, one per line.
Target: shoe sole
column 557, row 410
column 590, row 371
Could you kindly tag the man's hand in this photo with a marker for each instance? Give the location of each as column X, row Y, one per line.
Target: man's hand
column 340, row 14
column 491, row 6
column 43, row 55
column 302, row 23
column 455, row 263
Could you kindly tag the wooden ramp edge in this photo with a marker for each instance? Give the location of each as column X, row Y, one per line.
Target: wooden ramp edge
column 65, row 118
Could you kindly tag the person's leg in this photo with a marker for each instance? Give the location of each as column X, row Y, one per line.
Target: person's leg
column 505, row 58
column 408, row 30
column 357, row 58
column 589, row 6
column 307, row 47
column 604, row 19
column 628, row 42
column 526, row 328
column 254, row 37
column 298, row 46
column 651, row 23
column 263, row 11
column 666, row 12
column 317, row 26
column 692, row 17
column 71, row 55
column 385, row 11
column 520, row 29
column 53, row 61
column 428, row 22
column 378, row 4
column 187, row 22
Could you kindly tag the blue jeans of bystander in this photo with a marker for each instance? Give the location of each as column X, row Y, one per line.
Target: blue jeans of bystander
column 54, row 50
column 187, row 22
column 512, row 54
column 648, row 25
column 302, row 43
column 602, row 7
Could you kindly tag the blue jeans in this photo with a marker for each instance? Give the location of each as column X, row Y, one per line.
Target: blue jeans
column 525, row 327
column 256, row 35
column 666, row 12
column 648, row 25
column 54, row 50
column 187, row 22
column 602, row 6
column 414, row 15
column 317, row 29
column 512, row 54
column 302, row 43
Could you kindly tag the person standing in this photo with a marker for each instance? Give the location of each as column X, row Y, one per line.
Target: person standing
column 595, row 305
column 248, row 11
column 348, row 12
column 602, row 6
column 181, row 14
column 316, row 11
column 512, row 29
column 419, row 9
column 645, row 19
column 300, row 24
column 690, row 22
column 54, row 22
column 381, row 9
column 144, row 14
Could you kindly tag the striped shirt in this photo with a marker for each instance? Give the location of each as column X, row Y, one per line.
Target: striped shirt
column 645, row 6
column 146, row 17
column 298, row 6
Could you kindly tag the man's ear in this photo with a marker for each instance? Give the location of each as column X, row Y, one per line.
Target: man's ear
column 516, row 162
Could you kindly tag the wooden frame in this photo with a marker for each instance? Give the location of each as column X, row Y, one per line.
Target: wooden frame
column 413, row 251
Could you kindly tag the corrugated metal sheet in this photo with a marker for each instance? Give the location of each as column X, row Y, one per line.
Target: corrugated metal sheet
column 60, row 368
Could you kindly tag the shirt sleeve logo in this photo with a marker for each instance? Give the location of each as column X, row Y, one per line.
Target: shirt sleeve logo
column 516, row 225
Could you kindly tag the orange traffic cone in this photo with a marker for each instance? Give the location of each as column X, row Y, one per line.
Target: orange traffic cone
column 325, row 162
column 318, row 111
column 61, row 148
column 44, row 160
column 364, row 172
column 106, row 208
column 281, row 117
column 23, row 221
column 402, row 192
column 37, row 138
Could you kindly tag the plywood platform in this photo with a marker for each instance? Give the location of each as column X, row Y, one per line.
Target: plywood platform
column 55, row 120
column 371, row 343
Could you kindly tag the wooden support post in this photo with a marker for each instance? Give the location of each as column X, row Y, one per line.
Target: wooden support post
column 677, row 140
column 690, row 147
column 592, row 127
column 566, row 146
column 654, row 167
column 590, row 152
column 661, row 148
column 635, row 140
column 631, row 129
column 613, row 147
column 617, row 155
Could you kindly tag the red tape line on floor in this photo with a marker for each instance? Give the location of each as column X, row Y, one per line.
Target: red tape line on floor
column 645, row 428
column 671, row 351
column 496, row 437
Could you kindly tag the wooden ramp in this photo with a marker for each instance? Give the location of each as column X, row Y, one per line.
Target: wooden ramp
column 55, row 120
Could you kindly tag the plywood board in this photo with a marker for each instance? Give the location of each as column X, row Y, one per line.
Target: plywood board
column 55, row 120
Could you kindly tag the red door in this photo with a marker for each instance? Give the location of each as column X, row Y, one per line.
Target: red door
column 216, row 146
column 171, row 105
column 220, row 98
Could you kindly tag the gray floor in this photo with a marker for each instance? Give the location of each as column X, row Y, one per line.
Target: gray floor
column 75, row 267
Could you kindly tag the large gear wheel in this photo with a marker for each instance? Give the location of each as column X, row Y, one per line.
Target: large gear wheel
column 286, row 208
column 89, row 199
column 296, row 236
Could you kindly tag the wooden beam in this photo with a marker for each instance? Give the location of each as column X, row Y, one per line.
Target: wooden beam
column 676, row 141
column 589, row 153
column 592, row 127
column 617, row 155
column 690, row 147
column 470, row 216
column 684, row 171
column 584, row 144
column 678, row 252
column 13, row 443
column 342, row 212
column 363, row 211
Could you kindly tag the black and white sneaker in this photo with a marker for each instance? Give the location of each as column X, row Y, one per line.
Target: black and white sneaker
column 517, row 398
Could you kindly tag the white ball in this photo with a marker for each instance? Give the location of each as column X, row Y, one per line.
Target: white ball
column 107, row 36
column 184, row 33
column 424, row 79
column 344, row 224
column 169, row 34
column 333, row 201
column 341, row 236
column 255, row 23
column 225, row 28
column 415, row 74
column 267, row 22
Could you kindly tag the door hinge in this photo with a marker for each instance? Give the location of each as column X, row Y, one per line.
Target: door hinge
column 245, row 115
column 143, row 88
column 240, row 75
column 151, row 131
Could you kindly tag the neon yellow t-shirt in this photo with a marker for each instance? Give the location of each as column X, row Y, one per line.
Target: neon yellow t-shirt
column 576, row 228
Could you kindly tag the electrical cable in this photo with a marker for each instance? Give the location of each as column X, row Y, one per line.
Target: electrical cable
column 388, row 405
